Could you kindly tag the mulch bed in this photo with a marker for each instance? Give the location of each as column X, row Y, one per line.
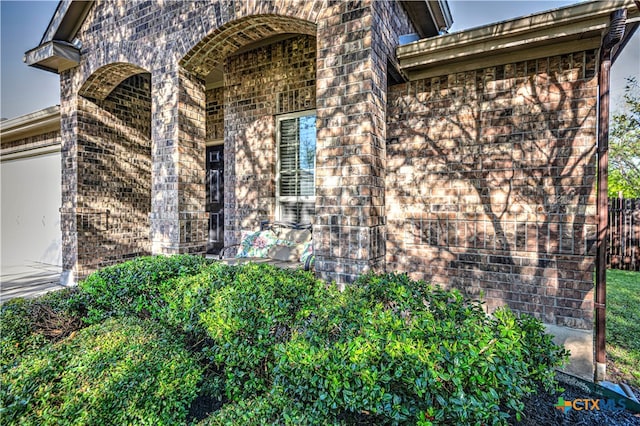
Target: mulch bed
column 540, row 409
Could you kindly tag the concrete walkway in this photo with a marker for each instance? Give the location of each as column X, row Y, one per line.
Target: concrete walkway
column 29, row 280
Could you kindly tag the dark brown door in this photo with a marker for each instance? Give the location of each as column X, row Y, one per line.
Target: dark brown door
column 215, row 198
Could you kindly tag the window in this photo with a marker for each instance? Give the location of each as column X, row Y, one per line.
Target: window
column 296, row 189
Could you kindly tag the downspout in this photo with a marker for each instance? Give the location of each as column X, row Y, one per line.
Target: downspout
column 611, row 38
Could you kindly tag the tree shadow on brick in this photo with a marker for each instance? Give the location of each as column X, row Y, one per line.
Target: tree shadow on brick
column 114, row 174
column 491, row 184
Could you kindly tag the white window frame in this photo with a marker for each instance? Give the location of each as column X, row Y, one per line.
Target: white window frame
column 280, row 199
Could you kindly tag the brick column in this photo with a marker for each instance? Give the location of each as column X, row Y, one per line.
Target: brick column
column 178, row 216
column 69, row 154
column 350, row 223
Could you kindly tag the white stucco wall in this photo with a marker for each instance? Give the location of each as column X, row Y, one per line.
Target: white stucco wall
column 30, row 217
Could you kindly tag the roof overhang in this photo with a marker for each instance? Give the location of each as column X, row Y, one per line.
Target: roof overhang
column 32, row 124
column 437, row 10
column 556, row 32
column 57, row 51
column 54, row 56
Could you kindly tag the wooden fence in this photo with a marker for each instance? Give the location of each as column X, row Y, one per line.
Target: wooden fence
column 624, row 234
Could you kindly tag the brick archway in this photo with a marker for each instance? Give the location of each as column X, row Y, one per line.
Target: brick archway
column 347, row 91
column 269, row 63
column 212, row 50
column 102, row 82
column 111, row 180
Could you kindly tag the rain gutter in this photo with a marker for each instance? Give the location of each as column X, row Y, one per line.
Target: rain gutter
column 612, row 37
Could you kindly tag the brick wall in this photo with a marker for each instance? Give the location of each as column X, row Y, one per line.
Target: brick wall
column 354, row 43
column 391, row 21
column 185, row 200
column 68, row 153
column 490, row 184
column 114, row 175
column 259, row 85
column 178, row 43
column 215, row 113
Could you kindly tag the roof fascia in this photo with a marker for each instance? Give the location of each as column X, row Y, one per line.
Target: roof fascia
column 428, row 16
column 56, row 51
column 35, row 123
column 54, row 56
column 439, row 10
column 630, row 30
column 555, row 32
column 66, row 20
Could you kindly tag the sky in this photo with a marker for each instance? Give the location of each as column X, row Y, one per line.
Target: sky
column 25, row 89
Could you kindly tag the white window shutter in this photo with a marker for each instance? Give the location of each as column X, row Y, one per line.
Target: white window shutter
column 296, row 174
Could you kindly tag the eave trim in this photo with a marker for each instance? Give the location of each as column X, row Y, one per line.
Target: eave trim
column 54, row 56
column 35, row 123
column 66, row 21
column 556, row 32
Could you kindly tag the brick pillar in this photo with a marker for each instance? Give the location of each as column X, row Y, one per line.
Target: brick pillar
column 69, row 154
column 350, row 224
column 178, row 216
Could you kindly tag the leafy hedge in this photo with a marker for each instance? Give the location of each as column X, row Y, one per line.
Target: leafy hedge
column 132, row 287
column 403, row 351
column 281, row 347
column 267, row 409
column 387, row 350
column 247, row 319
column 123, row 371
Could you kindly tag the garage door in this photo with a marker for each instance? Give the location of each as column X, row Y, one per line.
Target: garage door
column 31, row 199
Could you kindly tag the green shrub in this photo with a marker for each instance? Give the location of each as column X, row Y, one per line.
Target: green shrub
column 16, row 336
column 132, row 287
column 267, row 409
column 277, row 346
column 26, row 325
column 124, row 371
column 404, row 352
column 287, row 349
column 247, row 317
column 185, row 298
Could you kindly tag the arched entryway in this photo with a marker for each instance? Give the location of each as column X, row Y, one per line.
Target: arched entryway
column 253, row 71
column 113, row 178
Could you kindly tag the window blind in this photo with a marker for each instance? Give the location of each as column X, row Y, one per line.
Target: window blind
column 297, row 157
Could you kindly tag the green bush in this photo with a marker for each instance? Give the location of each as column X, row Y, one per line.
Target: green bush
column 185, row 298
column 247, row 317
column 275, row 346
column 404, row 352
column 267, row 409
column 16, row 336
column 287, row 349
column 124, row 371
column 132, row 287
column 26, row 325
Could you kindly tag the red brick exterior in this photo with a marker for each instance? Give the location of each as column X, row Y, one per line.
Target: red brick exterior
column 114, row 174
column 354, row 45
column 490, row 184
column 215, row 114
column 340, row 55
column 481, row 180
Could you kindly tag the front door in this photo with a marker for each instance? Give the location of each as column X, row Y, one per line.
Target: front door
column 215, row 198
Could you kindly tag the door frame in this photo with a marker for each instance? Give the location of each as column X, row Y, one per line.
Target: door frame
column 210, row 143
